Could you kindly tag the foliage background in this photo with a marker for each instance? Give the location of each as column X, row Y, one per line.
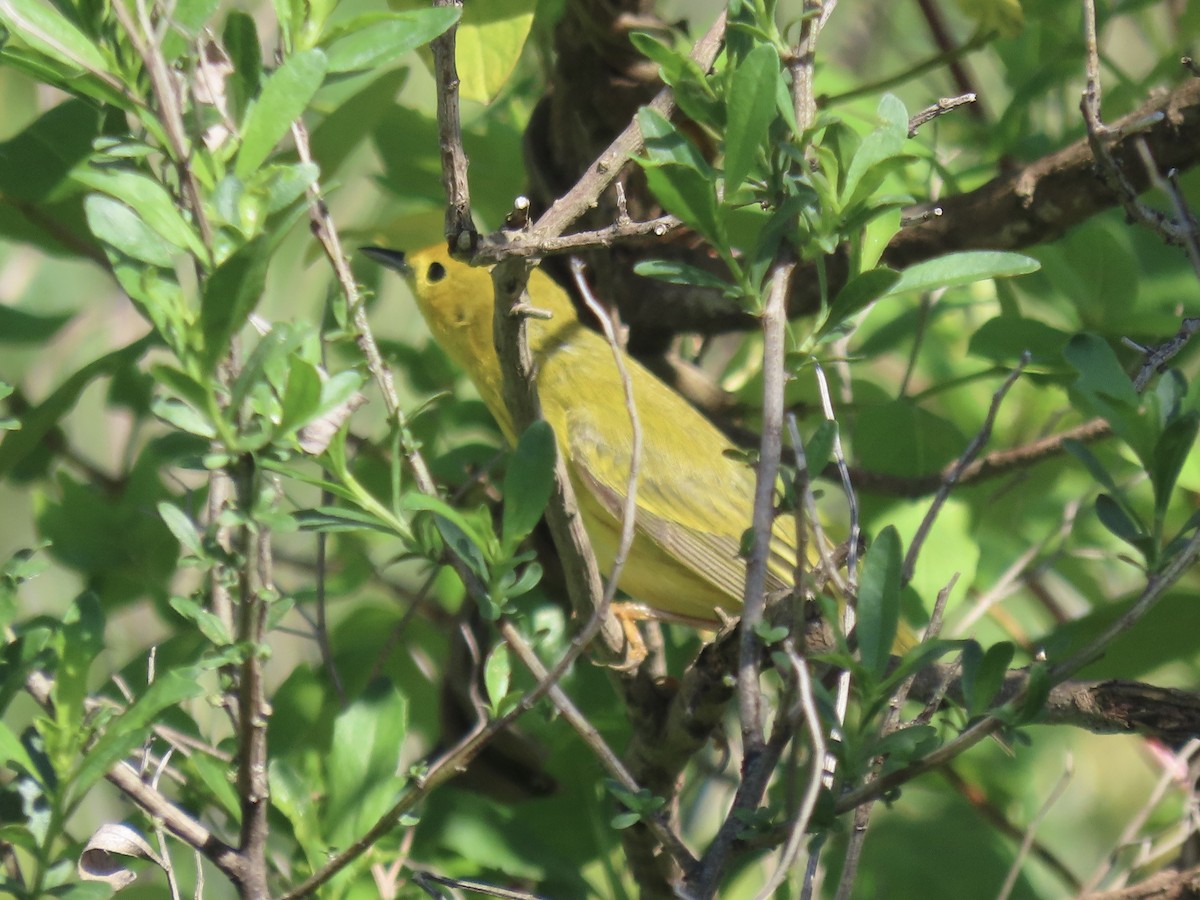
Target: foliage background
column 925, row 370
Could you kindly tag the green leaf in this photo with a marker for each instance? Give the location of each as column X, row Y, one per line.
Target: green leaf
column 188, row 18
column 819, row 447
column 240, row 38
column 41, row 157
column 904, row 745
column 690, row 195
column 1121, row 521
column 120, row 227
column 881, row 146
column 1099, row 370
column 183, row 416
column 983, row 674
column 670, row 61
column 184, row 529
column 81, row 641
column 13, row 755
column 857, row 294
column 113, row 539
column 966, row 267
column 293, row 795
column 1095, row 468
column 374, row 38
column 497, row 676
column 285, row 95
column 1095, row 268
column 44, row 29
column 209, row 624
column 1174, row 446
column 624, row 820
column 302, row 397
column 529, row 578
column 337, row 390
column 280, row 186
column 528, row 483
column 665, row 143
column 902, row 438
column 368, row 737
column 150, row 201
column 342, row 131
column 489, row 43
column 879, row 601
column 417, row 502
column 230, row 295
column 20, row 327
column 466, row 544
column 1004, row 338
column 674, row 272
column 1105, row 388
column 37, row 422
column 915, row 660
column 331, row 519
column 180, row 383
column 750, row 107
column 1037, row 690
column 128, row 730
column 214, row 775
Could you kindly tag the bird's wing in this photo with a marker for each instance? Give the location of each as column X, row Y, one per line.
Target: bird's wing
column 692, row 505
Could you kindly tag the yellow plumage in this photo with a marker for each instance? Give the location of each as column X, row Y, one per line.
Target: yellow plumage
column 693, row 501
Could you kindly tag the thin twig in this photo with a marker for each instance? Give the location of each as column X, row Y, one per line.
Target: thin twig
column 492, row 251
column 1027, row 841
column 998, row 820
column 547, row 686
column 1156, row 358
column 991, row 465
column 1009, row 580
column 937, row 110
column 322, row 224
column 932, row 630
column 757, row 753
column 882, row 85
column 1185, row 222
column 472, row 886
column 1100, row 139
column 170, row 110
column 629, row 508
column 568, row 208
column 799, row 825
column 1138, row 821
column 955, row 471
column 1154, row 591
column 127, row 779
column 160, row 833
column 750, row 699
column 944, row 40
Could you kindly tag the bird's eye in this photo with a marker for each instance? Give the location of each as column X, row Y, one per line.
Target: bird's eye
column 435, row 273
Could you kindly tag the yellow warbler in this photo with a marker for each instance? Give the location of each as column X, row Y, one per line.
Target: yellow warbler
column 693, row 501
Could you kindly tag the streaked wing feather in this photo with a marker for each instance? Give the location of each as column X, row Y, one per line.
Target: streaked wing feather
column 672, row 511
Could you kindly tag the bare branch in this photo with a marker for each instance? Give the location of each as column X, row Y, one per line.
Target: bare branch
column 459, row 229
column 937, row 110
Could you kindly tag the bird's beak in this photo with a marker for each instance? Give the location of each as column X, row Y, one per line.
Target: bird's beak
column 392, row 259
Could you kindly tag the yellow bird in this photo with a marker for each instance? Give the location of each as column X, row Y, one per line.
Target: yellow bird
column 694, row 502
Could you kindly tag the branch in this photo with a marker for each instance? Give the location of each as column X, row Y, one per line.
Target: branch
column 459, row 229
column 1168, row 885
column 991, row 465
column 568, row 208
column 125, row 778
column 1039, row 202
